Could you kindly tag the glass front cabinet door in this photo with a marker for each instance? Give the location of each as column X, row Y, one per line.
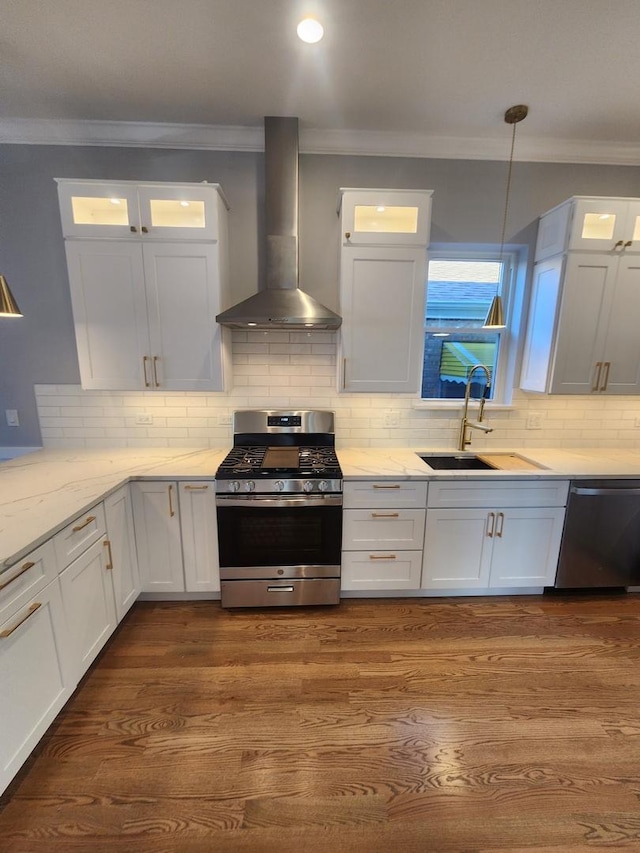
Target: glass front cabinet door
column 139, row 210
column 605, row 225
column 385, row 217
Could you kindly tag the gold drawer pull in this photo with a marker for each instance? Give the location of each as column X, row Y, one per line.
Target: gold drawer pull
column 171, row 511
column 382, row 556
column 195, row 488
column 23, row 569
column 32, row 609
column 79, row 527
column 385, row 515
column 107, row 545
column 396, row 486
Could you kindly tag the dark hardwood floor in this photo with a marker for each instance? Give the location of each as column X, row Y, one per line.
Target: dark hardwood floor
column 481, row 725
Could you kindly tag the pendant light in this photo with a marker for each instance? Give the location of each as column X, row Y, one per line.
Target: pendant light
column 495, row 315
column 8, row 305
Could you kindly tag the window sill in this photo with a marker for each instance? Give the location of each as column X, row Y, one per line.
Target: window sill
column 457, row 405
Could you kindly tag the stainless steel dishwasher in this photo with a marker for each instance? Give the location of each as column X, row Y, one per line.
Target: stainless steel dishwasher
column 601, row 538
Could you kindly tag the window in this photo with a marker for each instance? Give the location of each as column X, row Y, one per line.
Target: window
column 460, row 289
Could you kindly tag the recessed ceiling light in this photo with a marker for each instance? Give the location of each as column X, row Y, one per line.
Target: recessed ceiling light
column 310, row 30
column 184, row 204
column 380, row 208
column 252, row 324
column 114, row 200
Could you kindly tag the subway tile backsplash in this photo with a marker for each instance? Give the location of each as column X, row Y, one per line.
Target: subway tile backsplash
column 298, row 370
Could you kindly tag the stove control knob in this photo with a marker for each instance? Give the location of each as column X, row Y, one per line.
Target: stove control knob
column 234, row 486
column 323, row 485
column 278, row 485
column 307, row 486
column 249, row 486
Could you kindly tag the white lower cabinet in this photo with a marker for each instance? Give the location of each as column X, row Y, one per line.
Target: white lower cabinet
column 122, row 550
column 484, row 545
column 89, row 605
column 36, row 674
column 382, row 534
column 158, row 541
column 199, row 529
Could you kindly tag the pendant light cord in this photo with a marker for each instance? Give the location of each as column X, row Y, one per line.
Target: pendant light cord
column 508, row 191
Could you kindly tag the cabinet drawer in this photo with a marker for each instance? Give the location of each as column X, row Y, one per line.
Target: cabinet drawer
column 385, row 493
column 76, row 537
column 454, row 493
column 382, row 528
column 381, row 570
column 25, row 578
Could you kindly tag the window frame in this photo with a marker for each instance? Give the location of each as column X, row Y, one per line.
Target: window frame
column 511, row 291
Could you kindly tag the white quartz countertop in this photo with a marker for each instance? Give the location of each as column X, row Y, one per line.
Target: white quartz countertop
column 43, row 491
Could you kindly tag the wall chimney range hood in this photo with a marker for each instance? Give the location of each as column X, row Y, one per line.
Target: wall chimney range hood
column 281, row 304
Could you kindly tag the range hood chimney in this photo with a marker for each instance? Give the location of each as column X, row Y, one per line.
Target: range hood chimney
column 281, row 305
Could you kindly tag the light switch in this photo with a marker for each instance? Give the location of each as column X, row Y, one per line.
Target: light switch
column 12, row 417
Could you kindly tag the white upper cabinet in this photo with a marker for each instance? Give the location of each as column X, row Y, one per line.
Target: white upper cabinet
column 129, row 209
column 590, row 224
column 383, row 273
column 385, row 217
column 145, row 297
column 583, row 313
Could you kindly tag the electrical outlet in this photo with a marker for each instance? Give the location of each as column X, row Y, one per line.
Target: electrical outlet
column 636, row 423
column 534, row 420
column 224, row 420
column 392, row 419
column 144, row 419
column 12, row 417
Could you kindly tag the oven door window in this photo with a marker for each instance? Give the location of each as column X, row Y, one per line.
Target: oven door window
column 279, row 536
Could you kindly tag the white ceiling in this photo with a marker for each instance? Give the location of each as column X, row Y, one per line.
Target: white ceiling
column 416, row 77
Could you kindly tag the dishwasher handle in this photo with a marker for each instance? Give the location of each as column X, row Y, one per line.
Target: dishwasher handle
column 580, row 490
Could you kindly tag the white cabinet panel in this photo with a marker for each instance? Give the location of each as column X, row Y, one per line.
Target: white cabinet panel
column 457, row 549
column 35, row 674
column 382, row 304
column 185, row 342
column 382, row 216
column 25, row 578
column 122, row 550
column 526, row 551
column 483, row 493
column 76, row 537
column 384, row 493
column 157, row 529
column 381, row 570
column 199, row 537
column 382, row 528
column 89, row 607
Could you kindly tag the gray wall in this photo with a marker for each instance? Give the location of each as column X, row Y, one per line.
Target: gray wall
column 40, row 348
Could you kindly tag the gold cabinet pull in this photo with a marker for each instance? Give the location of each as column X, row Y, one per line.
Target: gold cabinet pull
column 171, row 512
column 605, row 378
column 107, row 545
column 347, row 235
column 628, row 243
column 618, row 244
column 596, row 381
column 500, row 528
column 133, row 229
column 32, row 609
column 385, row 515
column 195, row 488
column 24, row 568
column 344, row 373
column 84, row 524
column 145, row 359
column 394, row 486
column 382, row 556
column 144, row 229
column 155, row 370
column 491, row 524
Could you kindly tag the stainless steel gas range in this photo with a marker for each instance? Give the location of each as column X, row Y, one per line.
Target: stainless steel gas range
column 279, row 509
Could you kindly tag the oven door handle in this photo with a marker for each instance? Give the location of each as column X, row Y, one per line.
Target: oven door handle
column 261, row 501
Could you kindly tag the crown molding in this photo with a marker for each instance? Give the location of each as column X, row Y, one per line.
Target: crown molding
column 340, row 142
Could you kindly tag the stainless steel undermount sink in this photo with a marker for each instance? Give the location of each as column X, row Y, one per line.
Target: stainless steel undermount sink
column 459, row 462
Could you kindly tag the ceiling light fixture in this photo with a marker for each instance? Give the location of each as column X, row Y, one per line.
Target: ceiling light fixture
column 310, row 31
column 8, row 305
column 495, row 315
